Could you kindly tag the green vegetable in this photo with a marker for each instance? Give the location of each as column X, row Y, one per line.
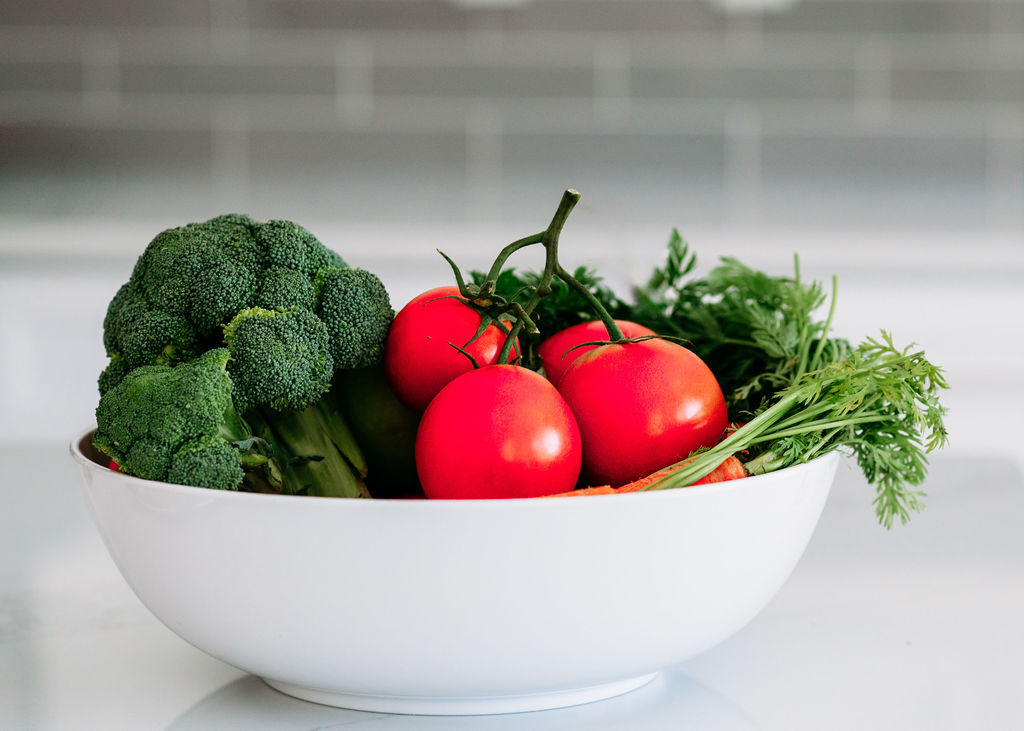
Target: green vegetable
column 384, row 427
column 879, row 402
column 292, row 315
column 354, row 306
column 756, row 332
column 280, row 359
column 178, row 424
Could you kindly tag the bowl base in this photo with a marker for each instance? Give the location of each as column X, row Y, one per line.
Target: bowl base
column 468, row 706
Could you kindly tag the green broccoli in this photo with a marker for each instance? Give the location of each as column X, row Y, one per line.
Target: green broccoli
column 179, row 424
column 290, row 312
column 283, row 288
column 289, row 245
column 139, row 334
column 281, row 366
column 279, row 358
column 191, row 281
column 355, row 307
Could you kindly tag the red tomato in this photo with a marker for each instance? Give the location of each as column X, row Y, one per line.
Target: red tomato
column 640, row 407
column 500, row 431
column 556, row 351
column 418, row 356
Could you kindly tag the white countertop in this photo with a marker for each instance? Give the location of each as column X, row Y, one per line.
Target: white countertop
column 914, row 628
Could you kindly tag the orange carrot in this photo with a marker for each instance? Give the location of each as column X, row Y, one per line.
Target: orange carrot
column 600, row 490
column 730, row 469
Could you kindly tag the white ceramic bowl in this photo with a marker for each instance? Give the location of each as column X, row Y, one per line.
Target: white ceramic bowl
column 455, row 607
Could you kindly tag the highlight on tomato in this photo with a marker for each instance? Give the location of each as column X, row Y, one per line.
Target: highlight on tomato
column 558, row 351
column 641, row 406
column 419, row 354
column 499, row 431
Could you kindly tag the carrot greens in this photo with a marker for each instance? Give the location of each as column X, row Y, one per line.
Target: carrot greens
column 880, row 403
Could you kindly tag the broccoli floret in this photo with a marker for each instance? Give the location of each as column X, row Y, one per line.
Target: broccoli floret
column 113, row 374
column 205, row 272
column 209, row 462
column 282, row 288
column 145, row 421
column 279, row 358
column 289, row 245
column 355, row 307
column 141, row 335
column 281, row 366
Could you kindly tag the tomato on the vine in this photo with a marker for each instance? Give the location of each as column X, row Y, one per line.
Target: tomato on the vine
column 558, row 351
column 640, row 407
column 501, row 431
column 419, row 353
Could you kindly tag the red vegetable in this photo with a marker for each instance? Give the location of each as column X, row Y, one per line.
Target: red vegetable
column 730, row 469
column 114, row 466
column 641, row 407
column 419, row 357
column 559, row 351
column 500, row 431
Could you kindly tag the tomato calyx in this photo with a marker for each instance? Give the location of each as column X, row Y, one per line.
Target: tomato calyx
column 622, row 341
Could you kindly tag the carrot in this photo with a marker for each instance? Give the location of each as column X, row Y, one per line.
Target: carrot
column 599, row 490
column 730, row 469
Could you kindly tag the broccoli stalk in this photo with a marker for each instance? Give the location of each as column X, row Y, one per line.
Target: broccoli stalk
column 315, row 449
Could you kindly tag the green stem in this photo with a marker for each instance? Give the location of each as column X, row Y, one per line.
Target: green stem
column 614, row 331
column 828, row 323
column 315, row 450
column 549, row 239
column 504, row 254
column 814, row 426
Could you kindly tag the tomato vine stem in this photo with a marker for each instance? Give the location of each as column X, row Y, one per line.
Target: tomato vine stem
column 549, row 240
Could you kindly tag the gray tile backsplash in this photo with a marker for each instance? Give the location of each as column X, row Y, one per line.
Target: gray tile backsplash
column 845, row 96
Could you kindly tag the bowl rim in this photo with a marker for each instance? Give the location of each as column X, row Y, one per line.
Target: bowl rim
column 690, row 493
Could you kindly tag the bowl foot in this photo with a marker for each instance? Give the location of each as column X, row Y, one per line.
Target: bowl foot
column 462, row 706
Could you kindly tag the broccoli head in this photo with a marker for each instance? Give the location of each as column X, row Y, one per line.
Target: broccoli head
column 170, row 422
column 231, row 319
column 191, row 281
column 279, row 358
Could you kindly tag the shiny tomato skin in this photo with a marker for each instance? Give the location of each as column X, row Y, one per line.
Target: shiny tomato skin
column 419, row 359
column 500, row 431
column 640, row 407
column 556, row 351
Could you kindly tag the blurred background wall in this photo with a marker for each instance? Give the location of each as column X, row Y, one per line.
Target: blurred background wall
column 780, row 112
column 881, row 139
